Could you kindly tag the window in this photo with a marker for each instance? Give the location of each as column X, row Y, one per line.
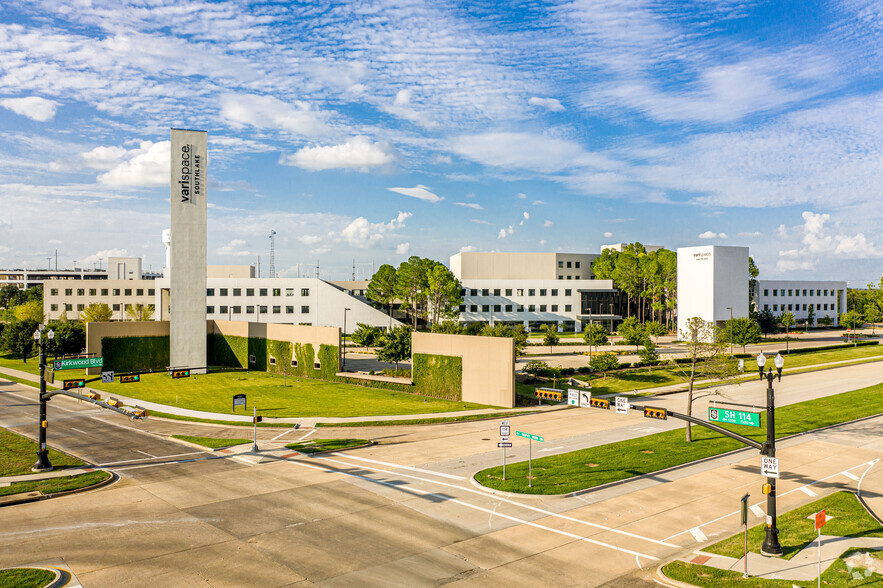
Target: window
column 53, row 292
column 237, row 291
column 560, row 277
column 249, row 310
column 520, row 308
column 775, row 292
column 473, row 308
column 277, row 310
column 277, row 291
column 81, row 292
column 272, row 360
column 569, row 277
column 775, row 307
column 542, row 308
column 804, row 292
column 289, row 310
column 508, row 291
column 304, row 291
column 567, row 292
column 249, row 291
column 128, row 291
column 462, row 308
column 223, row 292
column 317, row 365
column 473, row 292
column 818, row 292
column 80, row 307
column 766, row 306
column 789, row 307
column 151, row 292
column 826, row 292
column 305, row 310
column 554, row 308
column 71, row 306
column 569, row 265
column 237, row 310
column 462, row 292
column 789, row 293
column 766, row 292
column 567, row 308
column 53, row 307
column 519, row 292
column 93, row 292
column 263, row 309
column 826, row 307
column 560, row 264
column 208, row 309
column 140, row 292
column 289, row 291
column 576, row 264
column 554, row 292
column 531, row 292
column 223, row 310
column 484, row 292
column 804, row 307
column 496, row 308
column 496, row 291
column 485, row 308
column 70, row 291
column 293, row 363
column 508, row 308
column 116, row 291
column 542, row 291
column 531, row 308
column 263, row 291
column 208, row 291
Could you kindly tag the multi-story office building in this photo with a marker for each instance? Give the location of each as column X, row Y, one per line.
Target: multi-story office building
column 712, row 284
column 29, row 278
column 824, row 298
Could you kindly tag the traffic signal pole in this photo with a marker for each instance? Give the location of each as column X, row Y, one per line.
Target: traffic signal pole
column 771, row 541
column 43, row 464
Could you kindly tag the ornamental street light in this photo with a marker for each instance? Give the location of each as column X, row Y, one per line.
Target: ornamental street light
column 771, row 544
column 43, row 464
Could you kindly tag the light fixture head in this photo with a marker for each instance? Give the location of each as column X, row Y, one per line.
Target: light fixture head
column 779, row 361
column 51, row 334
column 36, row 335
column 761, row 360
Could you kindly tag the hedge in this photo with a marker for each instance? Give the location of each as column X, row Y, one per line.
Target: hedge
column 135, row 354
column 438, row 376
column 827, row 347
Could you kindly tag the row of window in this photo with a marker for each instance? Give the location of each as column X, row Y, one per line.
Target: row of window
column 817, row 307
column 81, row 307
column 261, row 291
column 575, row 264
column 518, row 292
column 104, row 291
column 509, row 307
column 570, row 277
column 251, row 309
column 766, row 292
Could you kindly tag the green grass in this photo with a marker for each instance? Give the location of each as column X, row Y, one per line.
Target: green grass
column 796, row 531
column 211, row 442
column 301, row 397
column 595, row 466
column 54, row 485
column 25, row 578
column 427, row 421
column 321, row 445
column 18, row 454
column 32, row 366
column 836, row 576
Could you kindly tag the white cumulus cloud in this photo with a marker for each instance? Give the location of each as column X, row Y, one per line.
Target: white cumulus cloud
column 361, row 233
column 548, row 103
column 102, row 256
column 235, row 248
column 712, row 235
column 267, row 112
column 608, row 235
column 548, row 223
column 356, row 153
column 403, row 248
column 33, row 107
column 419, row 191
column 473, row 205
column 148, row 165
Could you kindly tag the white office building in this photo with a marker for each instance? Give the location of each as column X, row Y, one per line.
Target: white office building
column 712, row 284
column 821, row 298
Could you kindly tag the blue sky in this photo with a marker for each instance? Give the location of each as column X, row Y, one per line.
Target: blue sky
column 369, row 132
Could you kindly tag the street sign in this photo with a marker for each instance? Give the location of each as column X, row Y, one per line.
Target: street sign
column 504, row 423
column 585, row 398
column 734, row 417
column 622, row 405
column 78, row 363
column 106, row 377
column 504, row 430
column 769, row 467
column 504, row 444
column 572, row 397
column 745, row 509
column 504, row 439
column 238, row 400
column 820, row 519
column 529, row 436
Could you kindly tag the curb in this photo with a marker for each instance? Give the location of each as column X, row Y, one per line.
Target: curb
column 669, row 581
column 114, row 477
column 52, row 583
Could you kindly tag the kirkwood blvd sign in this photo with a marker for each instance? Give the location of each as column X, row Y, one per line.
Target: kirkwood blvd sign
column 78, row 363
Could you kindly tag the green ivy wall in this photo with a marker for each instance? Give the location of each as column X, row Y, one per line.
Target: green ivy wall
column 135, row 354
column 439, row 376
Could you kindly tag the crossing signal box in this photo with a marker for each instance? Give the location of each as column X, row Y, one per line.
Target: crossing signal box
column 655, row 413
column 258, row 419
column 68, row 384
column 181, row 374
column 600, row 403
column 130, row 378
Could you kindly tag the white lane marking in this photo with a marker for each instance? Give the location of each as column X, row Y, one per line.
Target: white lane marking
column 393, row 465
column 79, row 431
column 758, row 512
column 113, row 463
column 145, row 453
column 698, row 535
column 36, row 400
column 512, row 502
column 850, row 475
column 552, row 448
column 282, row 434
column 308, row 434
column 844, row 472
column 858, row 487
column 807, row 491
column 164, row 463
column 478, row 508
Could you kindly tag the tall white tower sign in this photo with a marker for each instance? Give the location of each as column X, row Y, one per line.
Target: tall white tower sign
column 189, row 161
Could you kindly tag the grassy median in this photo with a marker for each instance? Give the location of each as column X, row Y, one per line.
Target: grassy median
column 55, row 485
column 211, row 442
column 18, row 454
column 594, row 466
column 322, row 445
column 25, row 578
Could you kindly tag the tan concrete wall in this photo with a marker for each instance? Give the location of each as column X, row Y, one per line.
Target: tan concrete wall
column 95, row 332
column 488, row 364
column 315, row 336
column 230, row 271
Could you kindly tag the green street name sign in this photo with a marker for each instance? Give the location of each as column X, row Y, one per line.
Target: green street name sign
column 734, row 417
column 529, row 436
column 79, row 363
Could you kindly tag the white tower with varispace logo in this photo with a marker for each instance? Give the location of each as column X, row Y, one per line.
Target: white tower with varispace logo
column 189, row 159
column 712, row 280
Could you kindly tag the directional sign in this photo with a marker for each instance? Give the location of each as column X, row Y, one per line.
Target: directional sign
column 78, row 363
column 734, row 417
column 622, row 405
column 106, row 377
column 504, row 439
column 585, row 398
column 504, row 430
column 529, row 436
column 820, row 519
column 572, row 397
column 238, row 400
column 504, row 444
column 504, row 423
column 769, row 467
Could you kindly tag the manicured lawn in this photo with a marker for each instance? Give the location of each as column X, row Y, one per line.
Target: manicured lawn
column 427, row 421
column 53, row 485
column 301, row 397
column 796, row 531
column 32, row 366
column 320, row 445
column 25, row 578
column 18, row 454
column 594, row 466
column 211, row 442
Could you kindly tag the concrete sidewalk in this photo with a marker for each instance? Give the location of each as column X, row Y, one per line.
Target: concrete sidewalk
column 37, row 476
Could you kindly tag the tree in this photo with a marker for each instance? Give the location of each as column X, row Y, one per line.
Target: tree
column 32, row 310
column 649, row 355
column 741, row 331
column 632, row 332
column 826, row 321
column 517, row 334
column 366, row 336
column 140, row 312
column 595, row 335
column 18, row 337
column 874, row 314
column 396, row 346
column 550, row 336
column 766, row 321
column 535, row 368
column 811, row 315
column 850, row 320
column 447, row 327
column 412, row 284
column 97, row 312
column 787, row 320
column 70, row 337
column 708, row 357
column 382, row 287
column 753, row 272
column 443, row 293
column 9, row 295
column 655, row 329
column 604, row 362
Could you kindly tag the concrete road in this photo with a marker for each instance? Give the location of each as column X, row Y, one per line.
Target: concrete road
column 403, row 512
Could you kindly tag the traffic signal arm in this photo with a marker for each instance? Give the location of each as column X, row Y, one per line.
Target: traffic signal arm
column 707, row 425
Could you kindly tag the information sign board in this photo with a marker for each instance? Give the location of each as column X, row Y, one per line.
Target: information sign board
column 504, row 430
column 530, row 436
column 585, row 398
column 572, row 397
column 504, row 444
column 734, row 417
column 106, row 377
column 769, row 467
column 78, row 363
column 622, row 405
column 238, row 400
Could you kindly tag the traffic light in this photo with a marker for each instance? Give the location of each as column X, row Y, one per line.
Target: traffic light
column 130, row 378
column 258, row 419
column 655, row 413
column 181, row 374
column 68, row 384
column 92, row 395
column 767, row 488
column 600, row 403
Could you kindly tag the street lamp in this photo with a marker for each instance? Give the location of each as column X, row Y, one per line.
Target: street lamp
column 343, row 341
column 43, row 464
column 771, row 541
column 730, row 308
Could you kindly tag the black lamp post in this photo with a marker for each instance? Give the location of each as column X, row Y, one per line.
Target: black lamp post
column 770, row 545
column 43, row 464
